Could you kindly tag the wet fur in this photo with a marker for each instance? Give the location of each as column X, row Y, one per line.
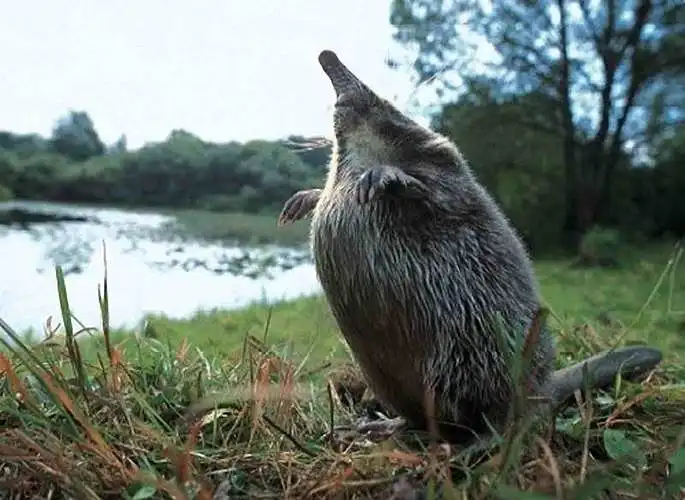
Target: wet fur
column 428, row 281
column 419, row 284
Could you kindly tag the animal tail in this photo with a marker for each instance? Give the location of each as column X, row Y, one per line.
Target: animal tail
column 631, row 362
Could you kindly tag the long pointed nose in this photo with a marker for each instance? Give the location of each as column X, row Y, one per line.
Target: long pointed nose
column 342, row 79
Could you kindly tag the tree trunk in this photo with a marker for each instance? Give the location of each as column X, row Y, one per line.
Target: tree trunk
column 572, row 227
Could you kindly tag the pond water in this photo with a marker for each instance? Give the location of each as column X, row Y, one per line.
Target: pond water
column 150, row 268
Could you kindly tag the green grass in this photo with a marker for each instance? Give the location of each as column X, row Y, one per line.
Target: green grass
column 246, row 228
column 641, row 301
column 89, row 421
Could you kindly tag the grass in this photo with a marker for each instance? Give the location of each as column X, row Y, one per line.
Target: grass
column 110, row 417
column 254, row 229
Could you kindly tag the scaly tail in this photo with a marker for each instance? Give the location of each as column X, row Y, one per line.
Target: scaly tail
column 631, row 362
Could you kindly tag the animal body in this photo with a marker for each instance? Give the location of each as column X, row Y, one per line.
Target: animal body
column 427, row 280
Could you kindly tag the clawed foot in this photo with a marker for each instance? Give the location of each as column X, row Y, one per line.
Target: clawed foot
column 299, row 206
column 378, row 179
column 371, row 429
column 389, row 426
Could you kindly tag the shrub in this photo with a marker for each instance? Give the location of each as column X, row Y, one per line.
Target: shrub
column 600, row 247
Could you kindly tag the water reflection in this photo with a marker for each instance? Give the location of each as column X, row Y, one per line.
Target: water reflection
column 150, row 268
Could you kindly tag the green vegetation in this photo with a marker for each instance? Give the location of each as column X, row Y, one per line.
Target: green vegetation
column 577, row 95
column 181, row 172
column 244, row 227
column 119, row 415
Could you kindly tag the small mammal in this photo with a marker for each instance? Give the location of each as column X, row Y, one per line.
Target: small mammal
column 423, row 272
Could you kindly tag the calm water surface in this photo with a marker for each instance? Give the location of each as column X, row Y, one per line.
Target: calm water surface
column 150, row 268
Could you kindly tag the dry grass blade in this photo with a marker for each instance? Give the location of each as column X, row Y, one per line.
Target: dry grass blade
column 76, row 413
column 16, row 385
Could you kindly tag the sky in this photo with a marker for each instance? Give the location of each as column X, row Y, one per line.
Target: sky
column 221, row 69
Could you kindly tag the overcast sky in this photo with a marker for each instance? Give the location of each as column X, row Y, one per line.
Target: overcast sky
column 222, row 69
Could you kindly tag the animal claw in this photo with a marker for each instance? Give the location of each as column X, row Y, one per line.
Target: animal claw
column 298, row 206
column 374, row 429
column 374, row 181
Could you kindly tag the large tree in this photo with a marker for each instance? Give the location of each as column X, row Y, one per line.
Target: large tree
column 608, row 67
column 75, row 137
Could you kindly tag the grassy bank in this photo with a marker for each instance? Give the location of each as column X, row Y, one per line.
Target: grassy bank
column 110, row 422
column 246, row 228
column 643, row 301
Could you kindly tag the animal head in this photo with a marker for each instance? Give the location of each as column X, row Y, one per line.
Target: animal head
column 371, row 130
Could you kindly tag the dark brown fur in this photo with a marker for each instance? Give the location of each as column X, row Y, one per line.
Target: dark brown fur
column 427, row 280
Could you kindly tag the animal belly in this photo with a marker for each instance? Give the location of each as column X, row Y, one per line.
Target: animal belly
column 363, row 294
column 394, row 380
column 374, row 308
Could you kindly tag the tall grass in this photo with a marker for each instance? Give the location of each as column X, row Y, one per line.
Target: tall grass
column 153, row 420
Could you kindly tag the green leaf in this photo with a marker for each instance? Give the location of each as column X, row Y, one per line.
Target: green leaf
column 596, row 483
column 677, row 462
column 675, row 484
column 144, row 492
column 573, row 427
column 618, row 446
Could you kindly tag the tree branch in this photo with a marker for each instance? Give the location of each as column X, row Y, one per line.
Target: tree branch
column 637, row 78
column 589, row 23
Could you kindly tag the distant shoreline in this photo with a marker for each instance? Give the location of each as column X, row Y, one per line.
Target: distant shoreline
column 245, row 228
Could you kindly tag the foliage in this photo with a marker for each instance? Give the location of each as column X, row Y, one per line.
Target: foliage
column 519, row 166
column 599, row 247
column 249, row 229
column 149, row 416
column 75, row 137
column 182, row 171
column 664, row 201
column 607, row 78
column 522, row 169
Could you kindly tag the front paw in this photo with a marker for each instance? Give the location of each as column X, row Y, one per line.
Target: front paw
column 374, row 181
column 298, row 206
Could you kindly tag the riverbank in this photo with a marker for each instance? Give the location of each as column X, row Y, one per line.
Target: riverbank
column 639, row 302
column 243, row 228
column 251, row 229
column 119, row 422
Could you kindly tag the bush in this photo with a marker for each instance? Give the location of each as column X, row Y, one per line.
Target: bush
column 599, row 247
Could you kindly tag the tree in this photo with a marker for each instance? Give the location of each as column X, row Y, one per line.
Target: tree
column 23, row 144
column 602, row 63
column 518, row 166
column 120, row 146
column 74, row 136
